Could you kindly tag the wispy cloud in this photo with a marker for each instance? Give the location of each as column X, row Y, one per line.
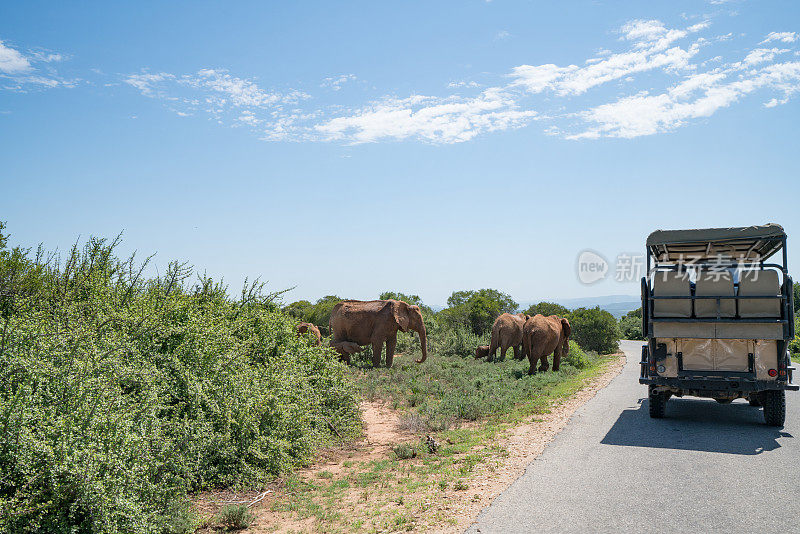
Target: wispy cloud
column 688, row 78
column 440, row 120
column 20, row 71
column 784, row 37
column 336, row 82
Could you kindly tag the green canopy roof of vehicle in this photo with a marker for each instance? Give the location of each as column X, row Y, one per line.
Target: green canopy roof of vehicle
column 746, row 243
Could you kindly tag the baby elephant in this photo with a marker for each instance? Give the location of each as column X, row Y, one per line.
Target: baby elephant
column 346, row 349
column 309, row 328
column 482, row 351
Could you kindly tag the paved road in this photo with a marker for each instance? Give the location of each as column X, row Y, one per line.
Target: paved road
column 705, row 468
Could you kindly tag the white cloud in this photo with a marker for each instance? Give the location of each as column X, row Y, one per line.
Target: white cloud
column 438, row 120
column 146, row 83
column 336, row 82
column 699, row 96
column 12, row 62
column 784, row 37
column 762, row 55
column 651, row 50
column 502, row 34
column 18, row 71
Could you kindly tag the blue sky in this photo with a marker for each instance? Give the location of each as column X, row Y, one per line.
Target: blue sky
column 424, row 147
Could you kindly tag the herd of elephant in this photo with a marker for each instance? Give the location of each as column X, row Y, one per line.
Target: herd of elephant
column 355, row 324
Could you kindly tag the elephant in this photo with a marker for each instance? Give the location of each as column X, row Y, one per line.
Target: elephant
column 310, row 328
column 481, row 351
column 374, row 322
column 507, row 332
column 544, row 335
column 346, row 349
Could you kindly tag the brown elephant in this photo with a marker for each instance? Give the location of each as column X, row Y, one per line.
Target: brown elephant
column 481, row 351
column 309, row 328
column 374, row 322
column 544, row 335
column 507, row 332
column 346, row 349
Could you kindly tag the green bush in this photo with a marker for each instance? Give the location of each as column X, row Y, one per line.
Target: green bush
column 235, row 516
column 630, row 327
column 476, row 310
column 404, row 451
column 120, row 394
column 577, row 358
column 547, row 309
column 595, row 329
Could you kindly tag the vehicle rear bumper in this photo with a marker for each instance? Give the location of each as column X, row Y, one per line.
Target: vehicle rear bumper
column 719, row 384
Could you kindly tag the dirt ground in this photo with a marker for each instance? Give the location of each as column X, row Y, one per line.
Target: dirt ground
column 382, row 431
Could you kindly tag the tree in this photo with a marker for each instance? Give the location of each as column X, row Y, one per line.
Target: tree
column 635, row 313
column 796, row 292
column 630, row 327
column 595, row 329
column 548, row 308
column 321, row 312
column 299, row 309
column 477, row 310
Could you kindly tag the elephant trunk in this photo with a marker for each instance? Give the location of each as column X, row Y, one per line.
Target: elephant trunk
column 423, row 340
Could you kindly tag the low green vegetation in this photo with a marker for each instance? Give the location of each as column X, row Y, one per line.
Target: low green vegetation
column 119, row 394
column 449, row 389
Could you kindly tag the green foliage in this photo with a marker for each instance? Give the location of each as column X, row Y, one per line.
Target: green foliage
column 235, row 517
column 635, row 313
column 577, row 358
column 796, row 295
column 299, row 309
column 547, row 309
column 476, row 310
column 318, row 313
column 404, row 451
column 630, row 327
column 794, row 345
column 448, row 389
column 119, row 394
column 595, row 329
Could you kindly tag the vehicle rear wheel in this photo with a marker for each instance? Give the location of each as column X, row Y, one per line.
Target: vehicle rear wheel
column 774, row 407
column 658, row 403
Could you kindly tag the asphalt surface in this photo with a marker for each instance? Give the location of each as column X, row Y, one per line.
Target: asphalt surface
column 706, row 467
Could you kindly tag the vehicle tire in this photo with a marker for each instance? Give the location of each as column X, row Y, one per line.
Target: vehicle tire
column 658, row 403
column 774, row 407
column 753, row 401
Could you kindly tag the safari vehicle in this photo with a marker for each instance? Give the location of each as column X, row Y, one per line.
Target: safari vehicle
column 717, row 318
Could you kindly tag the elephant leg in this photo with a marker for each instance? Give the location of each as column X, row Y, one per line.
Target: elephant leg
column 532, row 359
column 391, row 343
column 503, row 350
column 518, row 352
column 376, row 353
column 544, row 365
column 557, row 359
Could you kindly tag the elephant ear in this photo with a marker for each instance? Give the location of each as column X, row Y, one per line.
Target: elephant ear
column 401, row 315
column 566, row 328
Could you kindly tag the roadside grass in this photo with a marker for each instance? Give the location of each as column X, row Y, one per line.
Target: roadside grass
column 466, row 406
